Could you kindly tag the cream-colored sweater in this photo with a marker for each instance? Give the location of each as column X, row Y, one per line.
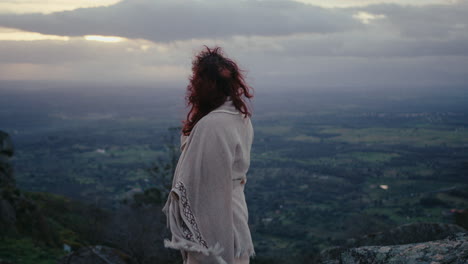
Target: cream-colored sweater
column 206, row 208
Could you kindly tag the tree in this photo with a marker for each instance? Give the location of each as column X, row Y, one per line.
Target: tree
column 138, row 227
column 163, row 169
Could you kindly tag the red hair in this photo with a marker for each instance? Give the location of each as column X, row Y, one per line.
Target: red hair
column 214, row 78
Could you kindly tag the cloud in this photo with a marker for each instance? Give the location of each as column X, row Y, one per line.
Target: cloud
column 370, row 43
column 360, row 3
column 38, row 6
column 296, row 61
column 278, row 43
column 164, row 21
column 431, row 21
column 366, row 18
column 18, row 35
column 81, row 50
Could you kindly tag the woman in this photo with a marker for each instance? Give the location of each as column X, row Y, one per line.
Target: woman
column 206, row 209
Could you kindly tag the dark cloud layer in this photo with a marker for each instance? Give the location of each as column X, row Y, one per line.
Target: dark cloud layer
column 431, row 21
column 281, row 43
column 164, row 21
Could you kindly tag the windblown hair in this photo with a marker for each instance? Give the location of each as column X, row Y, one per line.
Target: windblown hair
column 214, row 78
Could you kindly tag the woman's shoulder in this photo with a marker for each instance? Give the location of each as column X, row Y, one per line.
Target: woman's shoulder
column 216, row 120
column 220, row 123
column 224, row 118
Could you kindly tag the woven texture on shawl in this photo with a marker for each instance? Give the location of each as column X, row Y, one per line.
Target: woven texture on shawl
column 199, row 207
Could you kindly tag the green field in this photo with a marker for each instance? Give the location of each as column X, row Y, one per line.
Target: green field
column 324, row 169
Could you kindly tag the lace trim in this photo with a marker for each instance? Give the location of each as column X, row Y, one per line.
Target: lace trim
column 190, row 217
column 187, row 234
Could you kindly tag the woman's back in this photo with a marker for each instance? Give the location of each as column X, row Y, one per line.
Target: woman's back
column 206, row 208
column 241, row 132
column 209, row 184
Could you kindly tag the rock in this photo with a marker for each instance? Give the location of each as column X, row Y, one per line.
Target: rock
column 6, row 170
column 7, row 187
column 461, row 218
column 19, row 214
column 7, row 213
column 97, row 255
column 6, row 146
column 453, row 249
column 406, row 234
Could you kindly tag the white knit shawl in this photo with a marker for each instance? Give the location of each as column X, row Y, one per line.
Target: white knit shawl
column 206, row 209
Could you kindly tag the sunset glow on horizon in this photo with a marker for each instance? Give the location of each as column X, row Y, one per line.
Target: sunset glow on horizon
column 355, row 3
column 11, row 34
column 358, row 43
column 111, row 39
column 38, row 6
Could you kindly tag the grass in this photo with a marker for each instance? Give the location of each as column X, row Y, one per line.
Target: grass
column 305, row 138
column 418, row 137
column 25, row 251
column 274, row 130
column 371, row 157
column 455, row 202
column 119, row 155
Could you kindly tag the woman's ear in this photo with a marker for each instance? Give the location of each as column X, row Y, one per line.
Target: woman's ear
column 225, row 73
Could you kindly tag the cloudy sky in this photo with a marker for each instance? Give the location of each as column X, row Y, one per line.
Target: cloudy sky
column 280, row 43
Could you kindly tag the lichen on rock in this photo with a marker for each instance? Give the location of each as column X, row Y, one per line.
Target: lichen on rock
column 453, row 249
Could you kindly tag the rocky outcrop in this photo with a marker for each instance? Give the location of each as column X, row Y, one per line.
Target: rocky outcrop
column 8, row 190
column 19, row 214
column 410, row 243
column 407, row 234
column 6, row 152
column 97, row 255
column 453, row 249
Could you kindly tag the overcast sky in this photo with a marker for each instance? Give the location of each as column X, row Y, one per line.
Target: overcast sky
column 280, row 43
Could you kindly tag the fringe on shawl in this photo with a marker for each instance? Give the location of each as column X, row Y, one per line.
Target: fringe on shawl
column 188, row 245
column 245, row 252
column 214, row 251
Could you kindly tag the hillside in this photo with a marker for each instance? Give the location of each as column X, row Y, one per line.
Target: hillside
column 324, row 169
column 36, row 226
column 41, row 227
